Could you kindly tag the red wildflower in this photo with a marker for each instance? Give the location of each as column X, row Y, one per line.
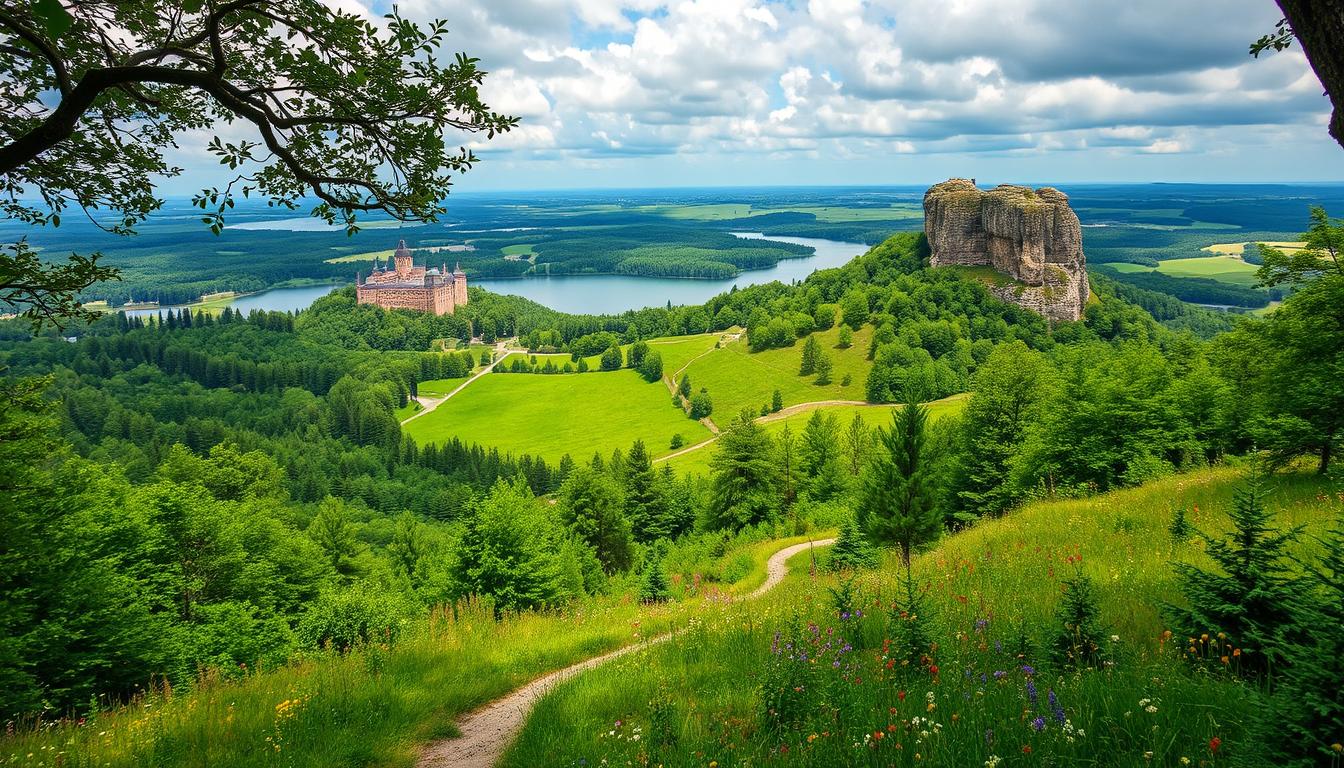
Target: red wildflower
column 900, row 695
column 1214, row 744
column 1026, row 749
column 933, row 670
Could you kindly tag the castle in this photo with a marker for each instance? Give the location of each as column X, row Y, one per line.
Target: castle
column 406, row 286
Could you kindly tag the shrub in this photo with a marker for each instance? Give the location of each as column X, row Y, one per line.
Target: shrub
column 677, row 441
column 653, row 585
column 701, row 405
column 852, row 549
column 611, row 359
column 342, row 620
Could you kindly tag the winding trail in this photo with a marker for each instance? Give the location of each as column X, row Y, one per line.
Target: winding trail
column 488, row 731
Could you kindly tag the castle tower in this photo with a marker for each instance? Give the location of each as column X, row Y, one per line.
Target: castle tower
column 459, row 285
column 402, row 257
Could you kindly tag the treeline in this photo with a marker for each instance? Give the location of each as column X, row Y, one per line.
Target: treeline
column 1196, row 290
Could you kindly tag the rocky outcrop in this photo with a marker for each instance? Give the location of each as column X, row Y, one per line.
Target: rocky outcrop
column 1031, row 237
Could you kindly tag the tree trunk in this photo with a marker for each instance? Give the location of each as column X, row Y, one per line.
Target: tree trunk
column 1319, row 26
column 1326, row 449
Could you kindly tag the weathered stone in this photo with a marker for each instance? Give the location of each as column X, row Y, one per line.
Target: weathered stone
column 1031, row 236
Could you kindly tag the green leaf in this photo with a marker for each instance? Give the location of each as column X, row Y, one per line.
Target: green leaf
column 192, row 6
column 53, row 17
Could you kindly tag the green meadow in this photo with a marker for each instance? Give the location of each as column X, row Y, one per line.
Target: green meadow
column 553, row 415
column 1223, row 267
column 986, row 693
column 737, row 378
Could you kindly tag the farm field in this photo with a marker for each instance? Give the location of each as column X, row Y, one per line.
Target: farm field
column 993, row 591
column 737, row 378
column 1238, row 249
column 553, row 415
column 829, row 214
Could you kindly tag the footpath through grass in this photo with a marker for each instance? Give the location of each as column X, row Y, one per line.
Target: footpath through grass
column 375, row 706
column 790, row 680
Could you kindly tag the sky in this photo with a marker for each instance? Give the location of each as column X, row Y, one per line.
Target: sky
column 646, row 93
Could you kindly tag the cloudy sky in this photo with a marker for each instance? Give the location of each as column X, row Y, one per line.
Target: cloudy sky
column 745, row 92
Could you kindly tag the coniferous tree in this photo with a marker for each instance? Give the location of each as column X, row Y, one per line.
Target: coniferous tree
column 811, row 351
column 1080, row 640
column 819, row 457
column 852, row 550
column 590, row 504
column 857, row 438
column 508, row 550
column 653, row 584
column 643, row 502
column 777, row 402
column 685, row 386
column 824, row 368
column 1249, row 597
column 896, row 504
column 743, row 486
column 1304, row 724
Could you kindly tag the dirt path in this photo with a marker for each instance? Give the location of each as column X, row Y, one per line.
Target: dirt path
column 436, row 402
column 488, row 731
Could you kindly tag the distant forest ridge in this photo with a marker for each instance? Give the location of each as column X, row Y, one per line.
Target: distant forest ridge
column 662, row 233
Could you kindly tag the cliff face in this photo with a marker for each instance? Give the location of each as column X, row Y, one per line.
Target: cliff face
column 1032, row 237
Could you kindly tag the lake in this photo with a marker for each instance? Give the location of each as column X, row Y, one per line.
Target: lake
column 599, row 294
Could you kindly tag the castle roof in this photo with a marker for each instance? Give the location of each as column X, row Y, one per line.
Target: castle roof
column 402, row 250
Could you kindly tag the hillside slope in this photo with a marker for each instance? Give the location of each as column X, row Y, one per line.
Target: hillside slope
column 992, row 593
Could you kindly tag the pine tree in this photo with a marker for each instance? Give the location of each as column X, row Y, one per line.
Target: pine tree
column 685, row 387
column 776, row 402
column 1304, row 723
column 743, row 487
column 590, row 504
column 811, row 350
column 824, row 368
column 857, row 438
column 1249, row 597
column 653, row 585
column 1080, row 640
column 852, row 550
column 896, row 503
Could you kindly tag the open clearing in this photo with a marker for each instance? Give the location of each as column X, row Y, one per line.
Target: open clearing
column 737, row 378
column 1239, row 249
column 551, row 415
column 1224, row 268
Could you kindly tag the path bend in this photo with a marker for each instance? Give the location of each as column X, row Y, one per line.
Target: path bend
column 488, row 731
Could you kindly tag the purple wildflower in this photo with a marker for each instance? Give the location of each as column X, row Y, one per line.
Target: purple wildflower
column 1055, row 707
column 1028, row 670
column 999, row 674
column 1038, row 724
column 1031, row 693
column 980, row 624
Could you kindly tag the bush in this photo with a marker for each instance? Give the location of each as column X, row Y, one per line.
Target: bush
column 342, row 620
column 852, row 550
column 611, row 359
column 701, row 405
column 677, row 441
column 653, row 585
column 651, row 366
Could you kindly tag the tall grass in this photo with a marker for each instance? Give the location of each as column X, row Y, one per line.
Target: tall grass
column 738, row 689
column 375, row 706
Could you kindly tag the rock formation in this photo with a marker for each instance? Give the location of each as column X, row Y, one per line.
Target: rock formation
column 1032, row 238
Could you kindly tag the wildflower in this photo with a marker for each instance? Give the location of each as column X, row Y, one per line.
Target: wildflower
column 1115, row 638
column 1185, row 760
column 1026, row 749
column 1038, row 724
column 993, row 761
column 1151, row 709
column 1337, row 747
column 999, row 674
column 1147, row 755
column 1214, row 744
column 1055, row 707
column 900, row 695
column 1028, row 670
column 1031, row 693
column 811, row 738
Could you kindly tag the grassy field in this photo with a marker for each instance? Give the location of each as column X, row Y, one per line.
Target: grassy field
column 551, row 415
column 1239, row 249
column 375, row 706
column 737, row 378
column 992, row 694
column 1224, row 267
column 698, row 462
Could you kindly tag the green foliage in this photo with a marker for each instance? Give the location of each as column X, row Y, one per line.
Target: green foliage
column 811, row 351
column 1180, row 528
column 701, row 405
column 1320, row 257
column 344, row 620
column 776, row 402
column 591, row 504
column 508, row 551
column 1080, row 641
column 653, row 584
column 895, row 503
column 846, row 338
column 824, row 368
column 651, row 366
column 1245, row 604
column 611, row 358
column 743, row 487
column 684, row 387
column 819, row 457
column 852, row 550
